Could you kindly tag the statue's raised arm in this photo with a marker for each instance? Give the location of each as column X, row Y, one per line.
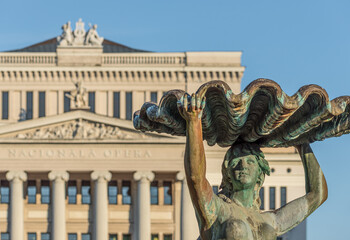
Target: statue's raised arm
column 296, row 211
column 191, row 109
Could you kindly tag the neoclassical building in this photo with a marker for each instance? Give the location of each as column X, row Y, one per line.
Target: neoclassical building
column 72, row 165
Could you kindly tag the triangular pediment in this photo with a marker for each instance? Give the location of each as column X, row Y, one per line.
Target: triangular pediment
column 78, row 126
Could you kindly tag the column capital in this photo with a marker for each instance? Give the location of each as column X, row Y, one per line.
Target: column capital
column 21, row 175
column 64, row 175
column 180, row 176
column 148, row 175
column 96, row 175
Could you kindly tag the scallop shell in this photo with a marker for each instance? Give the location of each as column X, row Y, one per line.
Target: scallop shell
column 262, row 113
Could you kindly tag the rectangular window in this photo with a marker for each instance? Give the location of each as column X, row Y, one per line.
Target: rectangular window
column 31, row 236
column 154, row 97
column 85, row 236
column 154, row 193
column 116, row 104
column 5, row 236
column 168, row 237
column 29, row 111
column 41, row 104
column 45, row 236
column 31, row 192
column 112, row 192
column 283, row 196
column 262, row 198
column 126, row 192
column 215, row 189
column 45, row 192
column 126, row 236
column 154, row 237
column 113, row 236
column 72, row 236
column 92, row 101
column 5, row 105
column 168, row 193
column 4, row 192
column 72, row 192
column 85, row 192
column 128, row 102
column 66, row 104
column 272, row 198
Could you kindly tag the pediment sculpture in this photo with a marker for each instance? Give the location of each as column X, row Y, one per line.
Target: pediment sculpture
column 261, row 116
column 79, row 37
column 79, row 129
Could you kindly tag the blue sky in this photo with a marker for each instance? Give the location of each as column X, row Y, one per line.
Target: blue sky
column 292, row 42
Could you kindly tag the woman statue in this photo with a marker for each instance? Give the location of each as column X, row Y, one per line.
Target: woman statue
column 234, row 213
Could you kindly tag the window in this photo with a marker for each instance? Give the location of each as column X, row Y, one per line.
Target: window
column 41, row 104
column 168, row 193
column 66, row 104
column 112, row 192
column 5, row 105
column 45, row 192
column 126, row 192
column 116, row 104
column 45, row 236
column 154, row 193
column 85, row 236
column 113, row 236
column 92, row 101
column 283, row 196
column 72, row 236
column 128, row 102
column 154, row 97
column 5, row 236
column 72, row 192
column 262, row 198
column 29, row 112
column 215, row 189
column 272, row 198
column 168, row 237
column 126, row 236
column 31, row 189
column 85, row 192
column 154, row 237
column 31, row 236
column 4, row 192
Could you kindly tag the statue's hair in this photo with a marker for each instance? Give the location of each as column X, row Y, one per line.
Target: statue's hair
column 240, row 150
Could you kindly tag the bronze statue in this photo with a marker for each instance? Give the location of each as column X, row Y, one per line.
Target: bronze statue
column 261, row 116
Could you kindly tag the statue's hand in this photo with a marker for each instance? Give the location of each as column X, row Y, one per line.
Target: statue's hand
column 191, row 107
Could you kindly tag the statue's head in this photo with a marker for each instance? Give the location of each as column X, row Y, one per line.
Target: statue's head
column 244, row 167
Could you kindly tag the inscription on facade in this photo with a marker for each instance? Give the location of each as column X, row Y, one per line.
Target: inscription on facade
column 79, row 153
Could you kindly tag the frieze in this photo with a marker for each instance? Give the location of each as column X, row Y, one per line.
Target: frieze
column 80, row 129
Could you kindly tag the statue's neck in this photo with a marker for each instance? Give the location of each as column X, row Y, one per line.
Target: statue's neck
column 244, row 197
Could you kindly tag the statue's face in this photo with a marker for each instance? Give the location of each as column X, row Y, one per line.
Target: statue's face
column 244, row 172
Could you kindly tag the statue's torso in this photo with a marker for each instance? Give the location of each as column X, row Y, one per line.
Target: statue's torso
column 236, row 222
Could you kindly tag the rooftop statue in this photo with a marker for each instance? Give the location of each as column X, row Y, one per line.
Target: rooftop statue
column 92, row 37
column 261, row 116
column 79, row 37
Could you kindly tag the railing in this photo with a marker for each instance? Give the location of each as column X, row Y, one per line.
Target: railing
column 144, row 59
column 28, row 58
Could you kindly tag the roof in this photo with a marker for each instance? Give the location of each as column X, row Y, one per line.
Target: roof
column 51, row 45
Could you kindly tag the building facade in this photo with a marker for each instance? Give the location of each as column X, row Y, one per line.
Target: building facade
column 72, row 165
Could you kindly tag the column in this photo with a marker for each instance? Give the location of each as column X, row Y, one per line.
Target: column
column 58, row 179
column 101, row 178
column 189, row 226
column 143, row 202
column 16, row 179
